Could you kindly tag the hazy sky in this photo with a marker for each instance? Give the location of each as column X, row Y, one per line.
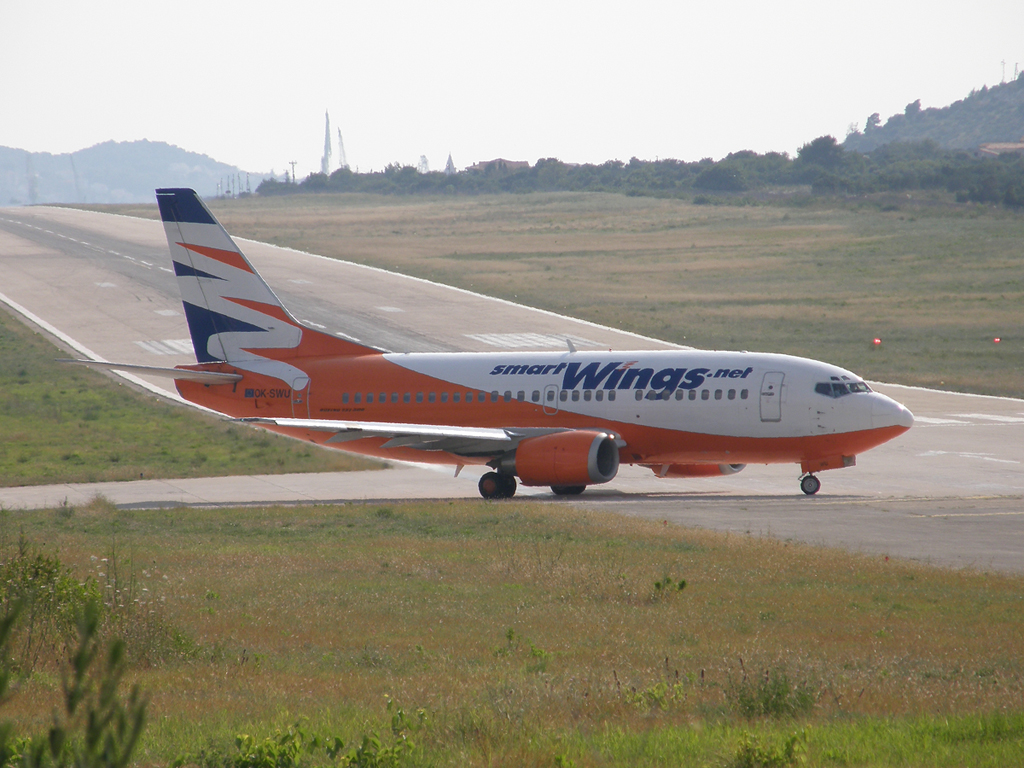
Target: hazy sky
column 248, row 82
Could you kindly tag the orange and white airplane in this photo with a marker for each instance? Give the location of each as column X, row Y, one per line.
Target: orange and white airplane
column 560, row 419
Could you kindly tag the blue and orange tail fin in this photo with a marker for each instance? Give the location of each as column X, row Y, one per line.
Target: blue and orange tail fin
column 233, row 315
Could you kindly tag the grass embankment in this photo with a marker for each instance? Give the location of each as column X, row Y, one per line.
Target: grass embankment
column 529, row 634
column 60, row 423
column 936, row 282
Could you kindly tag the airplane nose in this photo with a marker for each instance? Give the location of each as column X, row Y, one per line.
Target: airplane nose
column 886, row 412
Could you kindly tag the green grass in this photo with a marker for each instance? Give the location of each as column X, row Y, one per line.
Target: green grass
column 60, row 423
column 527, row 633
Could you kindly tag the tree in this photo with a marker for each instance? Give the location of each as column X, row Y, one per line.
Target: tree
column 873, row 122
column 824, row 151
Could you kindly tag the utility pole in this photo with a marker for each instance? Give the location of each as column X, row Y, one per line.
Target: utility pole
column 292, row 164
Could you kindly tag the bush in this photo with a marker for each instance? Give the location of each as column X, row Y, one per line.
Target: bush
column 771, row 695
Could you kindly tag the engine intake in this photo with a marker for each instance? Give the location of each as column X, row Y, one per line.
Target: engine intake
column 564, row 458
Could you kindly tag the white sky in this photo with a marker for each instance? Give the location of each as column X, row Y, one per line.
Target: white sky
column 247, row 82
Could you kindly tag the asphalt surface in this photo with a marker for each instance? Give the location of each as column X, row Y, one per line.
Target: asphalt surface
column 950, row 491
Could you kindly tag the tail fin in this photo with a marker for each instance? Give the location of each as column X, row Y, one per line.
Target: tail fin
column 233, row 315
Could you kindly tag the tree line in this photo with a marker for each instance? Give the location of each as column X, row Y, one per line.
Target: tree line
column 823, row 165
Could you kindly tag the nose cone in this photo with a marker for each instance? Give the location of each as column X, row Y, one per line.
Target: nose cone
column 886, row 412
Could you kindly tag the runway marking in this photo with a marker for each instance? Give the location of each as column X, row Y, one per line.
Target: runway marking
column 167, row 312
column 167, row 347
column 391, row 309
column 106, row 285
column 965, row 455
column 991, row 417
column 520, row 340
column 929, row 421
column 971, row 514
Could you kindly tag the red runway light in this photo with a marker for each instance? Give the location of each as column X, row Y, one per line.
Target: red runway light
column 877, row 342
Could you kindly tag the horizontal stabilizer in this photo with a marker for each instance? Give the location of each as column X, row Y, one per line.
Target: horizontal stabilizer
column 205, row 377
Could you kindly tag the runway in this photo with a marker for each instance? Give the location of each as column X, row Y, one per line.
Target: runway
column 950, row 491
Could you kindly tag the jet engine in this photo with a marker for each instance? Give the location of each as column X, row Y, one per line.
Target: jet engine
column 564, row 459
column 696, row 470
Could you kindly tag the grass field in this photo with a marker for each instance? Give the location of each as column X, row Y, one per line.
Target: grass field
column 935, row 282
column 64, row 424
column 523, row 634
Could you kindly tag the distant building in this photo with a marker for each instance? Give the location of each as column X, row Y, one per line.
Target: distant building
column 449, row 167
column 994, row 149
column 499, row 164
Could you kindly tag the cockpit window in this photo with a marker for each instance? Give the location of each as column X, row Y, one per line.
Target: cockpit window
column 836, row 388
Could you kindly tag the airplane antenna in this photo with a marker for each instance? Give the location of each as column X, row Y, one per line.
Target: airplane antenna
column 325, row 161
column 572, row 349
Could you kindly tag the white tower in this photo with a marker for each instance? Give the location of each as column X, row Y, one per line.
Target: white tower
column 325, row 161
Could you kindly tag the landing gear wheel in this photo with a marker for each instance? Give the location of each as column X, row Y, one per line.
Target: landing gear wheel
column 810, row 485
column 568, row 490
column 508, row 486
column 495, row 486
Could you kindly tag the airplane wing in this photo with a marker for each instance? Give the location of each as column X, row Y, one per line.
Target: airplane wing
column 461, row 441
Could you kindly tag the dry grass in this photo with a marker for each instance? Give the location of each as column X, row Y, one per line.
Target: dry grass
column 513, row 623
column 937, row 283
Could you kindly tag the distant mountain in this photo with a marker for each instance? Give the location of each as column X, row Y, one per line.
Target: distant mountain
column 990, row 115
column 111, row 172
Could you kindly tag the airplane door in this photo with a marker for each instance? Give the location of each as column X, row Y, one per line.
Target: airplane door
column 771, row 396
column 300, row 398
column 550, row 401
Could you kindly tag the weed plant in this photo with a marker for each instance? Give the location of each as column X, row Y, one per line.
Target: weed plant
column 529, row 634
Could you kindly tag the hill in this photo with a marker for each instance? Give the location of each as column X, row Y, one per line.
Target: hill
column 111, row 172
column 989, row 115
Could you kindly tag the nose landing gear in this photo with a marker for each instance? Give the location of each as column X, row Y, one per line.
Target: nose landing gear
column 809, row 484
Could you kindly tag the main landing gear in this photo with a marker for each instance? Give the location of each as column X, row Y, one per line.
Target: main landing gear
column 497, row 486
column 809, row 484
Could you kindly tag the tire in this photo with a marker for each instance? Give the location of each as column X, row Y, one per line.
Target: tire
column 490, row 486
column 810, row 485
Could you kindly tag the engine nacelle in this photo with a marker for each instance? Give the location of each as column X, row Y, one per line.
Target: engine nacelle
column 564, row 458
column 696, row 470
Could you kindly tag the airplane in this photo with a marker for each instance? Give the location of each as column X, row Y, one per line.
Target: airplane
column 565, row 420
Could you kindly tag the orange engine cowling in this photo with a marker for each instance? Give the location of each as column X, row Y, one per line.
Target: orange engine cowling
column 565, row 458
column 696, row 470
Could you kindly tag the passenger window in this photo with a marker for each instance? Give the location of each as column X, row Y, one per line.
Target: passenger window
column 494, row 397
column 705, row 394
column 406, row 397
column 693, row 394
column 357, row 399
column 369, row 397
column 563, row 395
column 551, row 395
column 419, row 397
column 743, row 394
column 587, row 395
column 718, row 394
column 444, row 397
column 639, row 394
column 520, row 396
column 599, row 394
column 535, row 396
column 344, row 398
column 611, row 394
column 432, row 397
column 381, row 398
column 575, row 395
column 732, row 394
column 394, row 397
column 654, row 395
column 680, row 394
column 456, row 397
column 507, row 397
